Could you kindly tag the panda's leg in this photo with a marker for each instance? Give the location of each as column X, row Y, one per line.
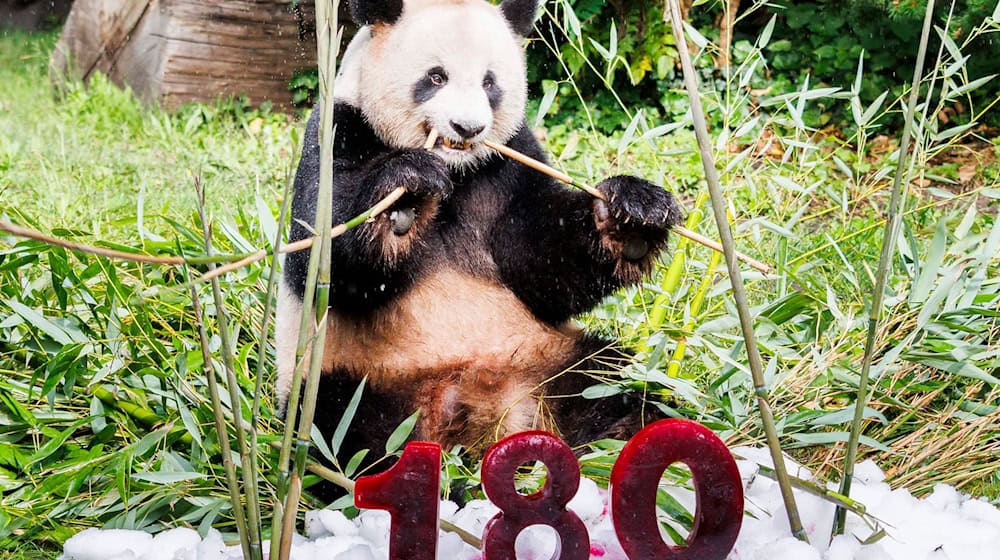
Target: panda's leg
column 580, row 420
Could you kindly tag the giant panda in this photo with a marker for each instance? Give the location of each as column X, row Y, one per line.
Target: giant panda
column 458, row 301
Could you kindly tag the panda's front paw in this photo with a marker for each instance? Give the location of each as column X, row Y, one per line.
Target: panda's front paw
column 422, row 173
column 633, row 221
column 635, row 203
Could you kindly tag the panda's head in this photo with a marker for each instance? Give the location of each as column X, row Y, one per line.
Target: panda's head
column 453, row 65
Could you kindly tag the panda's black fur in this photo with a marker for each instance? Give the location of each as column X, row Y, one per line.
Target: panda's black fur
column 548, row 251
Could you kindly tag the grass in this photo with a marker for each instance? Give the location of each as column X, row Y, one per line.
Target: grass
column 104, row 414
column 99, row 155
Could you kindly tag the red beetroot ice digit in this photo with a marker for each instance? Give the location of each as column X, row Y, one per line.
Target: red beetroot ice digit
column 718, row 488
column 409, row 491
column 545, row 507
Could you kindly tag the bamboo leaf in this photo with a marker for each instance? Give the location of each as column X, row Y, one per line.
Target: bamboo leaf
column 605, row 54
column 845, row 414
column 931, row 266
column 695, row 36
column 613, row 51
column 549, row 89
column 874, row 108
column 39, row 321
column 973, row 85
column 319, row 441
column 601, row 391
column 56, row 442
column 856, row 90
column 765, row 35
column 190, row 423
column 933, row 304
column 345, row 420
column 268, row 225
column 168, row 477
column 953, row 131
column 963, row 368
column 663, row 129
column 355, row 462
column 399, row 435
column 629, row 134
column 949, row 43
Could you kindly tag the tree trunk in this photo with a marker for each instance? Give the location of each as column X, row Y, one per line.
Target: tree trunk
column 172, row 52
column 726, row 21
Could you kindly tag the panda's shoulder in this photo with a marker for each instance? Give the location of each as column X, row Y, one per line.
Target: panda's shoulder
column 514, row 177
column 354, row 140
column 524, row 141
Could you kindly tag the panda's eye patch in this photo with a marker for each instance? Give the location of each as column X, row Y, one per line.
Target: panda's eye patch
column 429, row 84
column 437, row 76
column 492, row 89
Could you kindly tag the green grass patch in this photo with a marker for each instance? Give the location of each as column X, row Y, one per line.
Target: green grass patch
column 100, row 161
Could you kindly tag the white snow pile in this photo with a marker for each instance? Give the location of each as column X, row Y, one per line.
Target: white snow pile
column 945, row 525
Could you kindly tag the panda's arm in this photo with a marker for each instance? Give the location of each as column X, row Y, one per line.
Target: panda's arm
column 376, row 260
column 561, row 250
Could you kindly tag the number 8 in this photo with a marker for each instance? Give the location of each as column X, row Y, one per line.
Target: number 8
column 545, row 507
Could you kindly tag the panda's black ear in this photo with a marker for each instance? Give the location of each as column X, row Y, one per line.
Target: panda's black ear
column 368, row 12
column 520, row 14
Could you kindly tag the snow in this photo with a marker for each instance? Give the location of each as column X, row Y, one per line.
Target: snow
column 945, row 525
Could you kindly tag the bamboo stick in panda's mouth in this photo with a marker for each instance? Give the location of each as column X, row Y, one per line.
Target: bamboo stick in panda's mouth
column 560, row 176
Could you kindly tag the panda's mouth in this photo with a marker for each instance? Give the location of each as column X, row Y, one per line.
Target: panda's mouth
column 453, row 145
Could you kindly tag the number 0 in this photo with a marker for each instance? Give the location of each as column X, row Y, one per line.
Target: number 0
column 718, row 490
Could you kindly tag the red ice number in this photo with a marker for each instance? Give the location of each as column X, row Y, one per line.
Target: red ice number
column 409, row 492
column 717, row 485
column 545, row 507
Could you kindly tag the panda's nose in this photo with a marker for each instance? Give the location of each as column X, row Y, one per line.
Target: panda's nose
column 467, row 130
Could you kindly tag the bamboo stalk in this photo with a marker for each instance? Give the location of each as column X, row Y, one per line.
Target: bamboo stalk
column 672, row 278
column 278, row 509
column 735, row 277
column 560, row 176
column 889, row 234
column 236, row 262
column 674, row 365
column 327, row 45
column 247, row 456
column 112, row 253
column 220, row 426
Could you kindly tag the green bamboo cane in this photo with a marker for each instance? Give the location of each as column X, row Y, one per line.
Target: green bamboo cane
column 328, row 45
column 674, row 365
column 247, row 456
column 672, row 279
column 884, row 262
column 735, row 278
column 220, row 426
column 272, row 282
